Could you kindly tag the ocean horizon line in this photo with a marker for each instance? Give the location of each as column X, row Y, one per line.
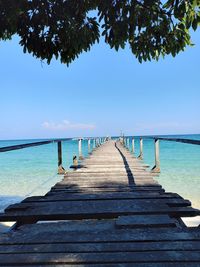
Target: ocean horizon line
column 113, row 136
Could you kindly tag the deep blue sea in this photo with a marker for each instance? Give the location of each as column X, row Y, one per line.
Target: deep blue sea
column 32, row 171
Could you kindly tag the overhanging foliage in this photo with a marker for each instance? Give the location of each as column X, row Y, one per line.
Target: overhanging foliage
column 65, row 28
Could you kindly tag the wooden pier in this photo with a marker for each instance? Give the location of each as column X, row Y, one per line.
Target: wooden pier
column 109, row 212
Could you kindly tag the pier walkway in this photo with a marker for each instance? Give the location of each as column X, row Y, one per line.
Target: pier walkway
column 109, row 212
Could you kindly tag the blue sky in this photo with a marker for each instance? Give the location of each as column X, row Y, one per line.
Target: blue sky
column 101, row 93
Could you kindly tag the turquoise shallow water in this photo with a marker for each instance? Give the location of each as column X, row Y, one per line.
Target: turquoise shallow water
column 32, row 171
column 180, row 166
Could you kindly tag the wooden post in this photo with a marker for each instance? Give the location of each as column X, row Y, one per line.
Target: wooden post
column 61, row 170
column 128, row 143
column 94, row 143
column 156, row 168
column 88, row 145
column 80, row 149
column 141, row 149
column 124, row 142
column 133, row 145
column 75, row 162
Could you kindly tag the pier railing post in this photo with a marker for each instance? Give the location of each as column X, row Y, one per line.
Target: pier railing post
column 80, row 149
column 89, row 146
column 61, row 170
column 141, row 149
column 124, row 142
column 156, row 168
column 127, row 144
column 75, row 162
column 133, row 145
column 94, row 143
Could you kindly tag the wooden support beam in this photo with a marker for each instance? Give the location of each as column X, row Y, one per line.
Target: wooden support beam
column 61, row 170
column 141, row 149
column 156, row 168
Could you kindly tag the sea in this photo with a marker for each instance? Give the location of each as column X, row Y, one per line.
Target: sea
column 33, row 171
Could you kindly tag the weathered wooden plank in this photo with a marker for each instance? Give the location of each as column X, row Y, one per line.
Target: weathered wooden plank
column 111, row 180
column 106, row 164
column 102, row 184
column 145, row 221
column 179, row 202
column 91, row 166
column 154, row 264
column 101, row 247
column 109, row 188
column 116, row 180
column 116, row 195
column 118, row 175
column 96, row 231
column 106, row 185
column 65, row 210
column 102, row 257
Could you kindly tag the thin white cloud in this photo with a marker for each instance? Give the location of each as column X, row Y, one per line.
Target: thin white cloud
column 153, row 126
column 66, row 125
column 166, row 127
